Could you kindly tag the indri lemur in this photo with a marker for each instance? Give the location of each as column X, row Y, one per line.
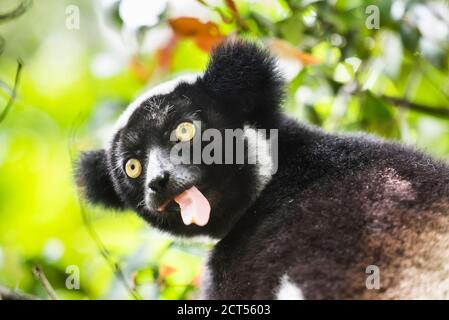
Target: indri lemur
column 337, row 203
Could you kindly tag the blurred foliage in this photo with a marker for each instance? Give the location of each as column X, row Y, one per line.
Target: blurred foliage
column 343, row 75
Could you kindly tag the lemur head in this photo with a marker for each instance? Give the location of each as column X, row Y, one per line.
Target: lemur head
column 155, row 162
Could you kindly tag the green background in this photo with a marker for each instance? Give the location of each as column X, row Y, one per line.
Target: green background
column 392, row 81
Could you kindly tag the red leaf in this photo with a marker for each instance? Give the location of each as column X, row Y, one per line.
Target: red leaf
column 205, row 34
column 196, row 280
column 207, row 43
column 139, row 69
column 286, row 50
column 165, row 53
column 231, row 5
column 165, row 271
column 191, row 27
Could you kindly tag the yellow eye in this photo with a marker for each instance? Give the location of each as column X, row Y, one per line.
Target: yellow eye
column 133, row 168
column 185, row 131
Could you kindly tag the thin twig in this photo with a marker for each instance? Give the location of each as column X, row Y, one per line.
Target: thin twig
column 403, row 103
column 13, row 95
column 114, row 265
column 16, row 12
column 2, row 45
column 435, row 85
column 10, row 294
column 437, row 111
column 40, row 275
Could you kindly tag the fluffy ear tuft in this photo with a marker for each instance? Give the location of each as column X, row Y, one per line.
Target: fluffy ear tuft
column 92, row 174
column 246, row 76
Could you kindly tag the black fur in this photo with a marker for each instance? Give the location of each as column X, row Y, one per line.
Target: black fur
column 337, row 203
column 93, row 176
column 244, row 76
column 328, row 213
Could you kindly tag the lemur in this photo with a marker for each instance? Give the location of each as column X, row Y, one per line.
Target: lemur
column 336, row 204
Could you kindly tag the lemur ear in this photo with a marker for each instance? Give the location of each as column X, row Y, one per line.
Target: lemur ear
column 245, row 76
column 92, row 174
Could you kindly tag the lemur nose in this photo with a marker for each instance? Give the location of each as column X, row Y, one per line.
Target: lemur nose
column 159, row 183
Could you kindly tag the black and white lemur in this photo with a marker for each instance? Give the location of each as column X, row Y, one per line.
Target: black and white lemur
column 337, row 204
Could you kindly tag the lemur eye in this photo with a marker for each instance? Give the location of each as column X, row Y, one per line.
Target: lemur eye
column 185, row 131
column 133, row 168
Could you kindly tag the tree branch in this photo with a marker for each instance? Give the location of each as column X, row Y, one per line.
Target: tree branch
column 114, row 265
column 438, row 111
column 2, row 45
column 40, row 275
column 9, row 294
column 102, row 249
column 12, row 98
column 17, row 12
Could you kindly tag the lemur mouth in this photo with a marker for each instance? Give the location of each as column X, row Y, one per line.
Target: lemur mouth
column 164, row 205
column 194, row 206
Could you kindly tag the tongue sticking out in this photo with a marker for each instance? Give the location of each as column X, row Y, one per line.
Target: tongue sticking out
column 194, row 207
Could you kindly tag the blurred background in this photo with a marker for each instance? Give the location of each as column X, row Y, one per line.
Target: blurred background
column 69, row 68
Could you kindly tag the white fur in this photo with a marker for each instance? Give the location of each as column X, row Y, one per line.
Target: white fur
column 259, row 150
column 163, row 88
column 288, row 290
column 154, row 164
column 205, row 280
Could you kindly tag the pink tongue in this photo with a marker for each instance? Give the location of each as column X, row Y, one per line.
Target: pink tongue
column 194, row 207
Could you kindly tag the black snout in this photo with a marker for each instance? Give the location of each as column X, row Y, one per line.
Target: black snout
column 159, row 183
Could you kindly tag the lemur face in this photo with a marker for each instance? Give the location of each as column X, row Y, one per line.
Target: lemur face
column 143, row 168
column 155, row 162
